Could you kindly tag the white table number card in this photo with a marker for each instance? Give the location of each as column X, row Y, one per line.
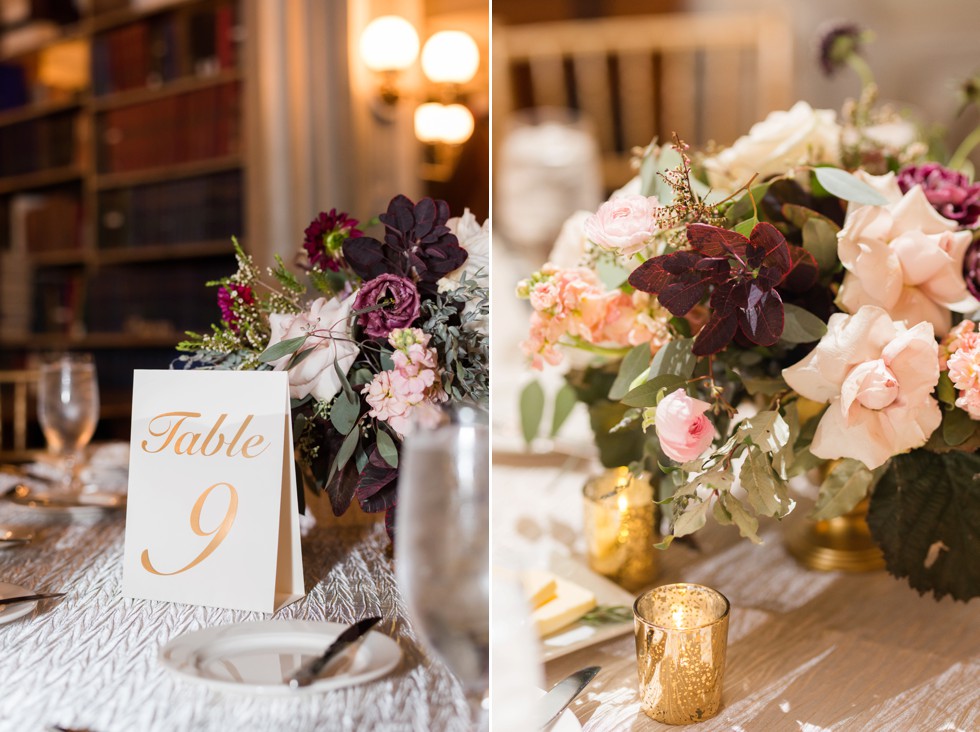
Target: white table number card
column 212, row 510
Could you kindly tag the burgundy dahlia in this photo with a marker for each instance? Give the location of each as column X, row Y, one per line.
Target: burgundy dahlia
column 838, row 43
column 949, row 191
column 395, row 301
column 971, row 268
column 228, row 295
column 325, row 237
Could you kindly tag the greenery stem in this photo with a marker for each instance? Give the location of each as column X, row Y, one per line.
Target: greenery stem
column 862, row 69
column 966, row 147
column 584, row 345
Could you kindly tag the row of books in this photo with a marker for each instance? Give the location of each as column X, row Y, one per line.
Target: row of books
column 35, row 145
column 207, row 208
column 181, row 128
column 165, row 47
column 158, row 292
column 42, row 222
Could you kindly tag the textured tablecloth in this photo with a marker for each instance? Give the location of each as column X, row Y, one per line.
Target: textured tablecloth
column 808, row 651
column 90, row 660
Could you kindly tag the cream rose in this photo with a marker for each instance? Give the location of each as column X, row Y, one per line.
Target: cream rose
column 624, row 224
column 569, row 248
column 878, row 377
column 905, row 258
column 780, row 141
column 475, row 239
column 328, row 323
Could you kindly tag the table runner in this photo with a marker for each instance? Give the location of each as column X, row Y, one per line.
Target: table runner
column 809, row 651
column 90, row 660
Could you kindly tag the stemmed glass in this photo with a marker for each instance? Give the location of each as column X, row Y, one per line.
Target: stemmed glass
column 68, row 409
column 442, row 545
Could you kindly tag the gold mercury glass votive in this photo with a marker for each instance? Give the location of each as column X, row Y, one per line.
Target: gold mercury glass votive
column 681, row 638
column 621, row 527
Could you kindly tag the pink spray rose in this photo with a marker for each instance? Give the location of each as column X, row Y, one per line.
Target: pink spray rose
column 624, row 224
column 684, row 430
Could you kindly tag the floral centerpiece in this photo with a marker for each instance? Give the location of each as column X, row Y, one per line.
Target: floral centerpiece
column 823, row 270
column 375, row 337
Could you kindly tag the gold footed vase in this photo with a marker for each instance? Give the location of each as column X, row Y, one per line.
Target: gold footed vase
column 838, row 544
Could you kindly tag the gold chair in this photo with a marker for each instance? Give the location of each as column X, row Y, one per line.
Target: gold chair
column 703, row 76
column 18, row 392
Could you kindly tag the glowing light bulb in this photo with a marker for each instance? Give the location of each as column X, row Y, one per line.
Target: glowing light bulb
column 450, row 57
column 389, row 43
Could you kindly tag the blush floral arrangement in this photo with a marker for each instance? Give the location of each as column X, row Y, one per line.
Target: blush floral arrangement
column 823, row 270
column 375, row 338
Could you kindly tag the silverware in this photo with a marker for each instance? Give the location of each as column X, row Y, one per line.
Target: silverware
column 30, row 598
column 561, row 695
column 308, row 672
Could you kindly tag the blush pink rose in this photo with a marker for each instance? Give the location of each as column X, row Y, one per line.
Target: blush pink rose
column 328, row 327
column 684, row 430
column 624, row 224
column 905, row 258
column 878, row 377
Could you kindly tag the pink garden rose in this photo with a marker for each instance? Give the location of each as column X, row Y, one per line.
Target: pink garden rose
column 624, row 224
column 905, row 258
column 327, row 323
column 684, row 430
column 878, row 377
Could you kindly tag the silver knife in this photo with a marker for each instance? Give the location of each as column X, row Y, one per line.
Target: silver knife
column 561, row 695
column 29, row 598
column 308, row 672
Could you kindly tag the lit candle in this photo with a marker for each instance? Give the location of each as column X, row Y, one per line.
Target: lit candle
column 621, row 528
column 681, row 635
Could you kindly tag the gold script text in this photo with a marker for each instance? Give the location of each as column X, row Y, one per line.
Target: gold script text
column 169, row 428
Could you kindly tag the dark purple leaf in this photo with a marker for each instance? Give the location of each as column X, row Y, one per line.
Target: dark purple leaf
column 754, row 254
column 680, row 296
column 651, row 276
column 730, row 297
column 341, row 489
column 762, row 320
column 390, row 522
column 425, row 217
column 715, row 335
column 774, row 244
column 769, row 277
column 376, row 489
column 804, row 271
column 713, row 241
column 714, row 270
column 366, row 257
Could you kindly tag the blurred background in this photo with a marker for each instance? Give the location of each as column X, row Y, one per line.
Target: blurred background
column 138, row 136
column 579, row 83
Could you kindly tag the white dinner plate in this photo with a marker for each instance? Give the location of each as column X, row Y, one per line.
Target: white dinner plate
column 258, row 657
column 581, row 635
column 12, row 612
column 86, row 504
column 566, row 722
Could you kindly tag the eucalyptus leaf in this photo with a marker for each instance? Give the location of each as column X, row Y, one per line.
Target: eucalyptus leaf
column 844, row 185
column 344, row 453
column 820, row 239
column 675, row 358
column 282, row 348
column 801, row 326
column 958, row 427
column 344, row 383
column 615, row 449
column 945, row 391
column 924, row 515
column 651, row 181
column 745, row 227
column 299, row 357
column 743, row 207
column 565, row 401
column 843, row 488
column 611, row 272
column 635, row 363
column 798, row 216
column 766, row 492
column 647, row 393
column 344, row 412
column 768, row 430
column 532, row 410
column 765, row 385
column 386, row 448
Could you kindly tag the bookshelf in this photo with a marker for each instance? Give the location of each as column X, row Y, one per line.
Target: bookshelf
column 122, row 179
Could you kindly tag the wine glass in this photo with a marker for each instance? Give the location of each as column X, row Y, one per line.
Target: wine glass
column 442, row 538
column 68, row 409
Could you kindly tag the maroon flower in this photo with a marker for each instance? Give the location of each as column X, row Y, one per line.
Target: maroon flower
column 228, row 296
column 417, row 245
column 838, row 43
column 971, row 268
column 949, row 191
column 395, row 301
column 325, row 237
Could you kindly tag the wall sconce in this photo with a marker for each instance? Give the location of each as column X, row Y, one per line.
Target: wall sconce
column 450, row 57
column 388, row 46
column 448, row 124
